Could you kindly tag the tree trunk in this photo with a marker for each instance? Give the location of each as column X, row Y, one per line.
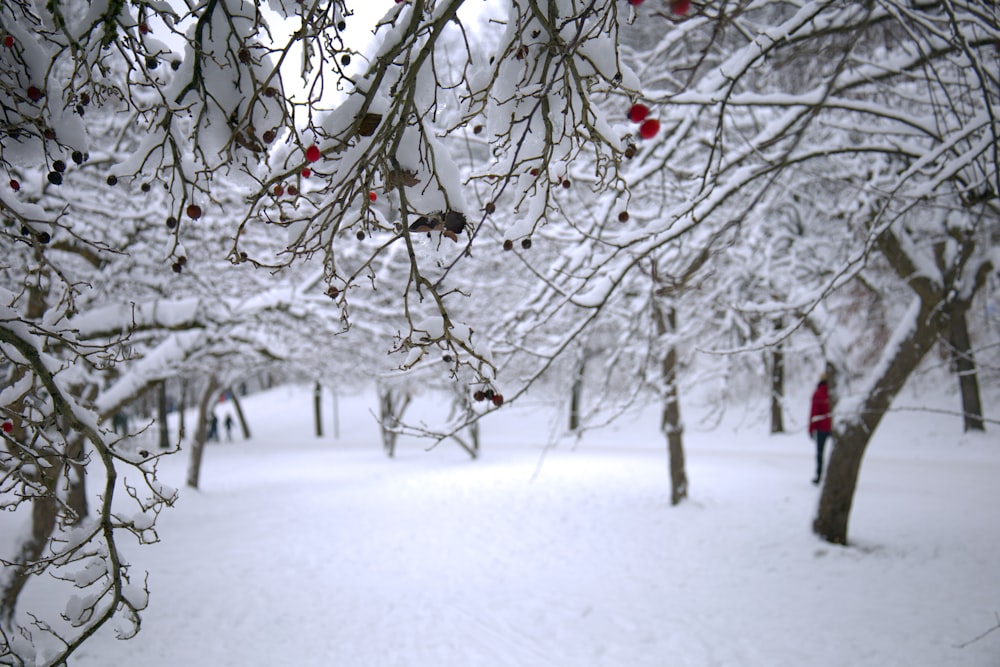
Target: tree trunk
column 850, row 440
column 44, row 510
column 76, row 492
column 161, row 414
column 670, row 423
column 965, row 366
column 317, row 408
column 200, row 432
column 391, row 409
column 777, row 383
column 182, row 408
column 576, row 393
column 240, row 417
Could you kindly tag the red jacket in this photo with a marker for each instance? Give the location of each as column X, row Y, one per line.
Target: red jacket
column 819, row 413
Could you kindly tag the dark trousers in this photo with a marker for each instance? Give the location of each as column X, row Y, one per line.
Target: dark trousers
column 821, row 437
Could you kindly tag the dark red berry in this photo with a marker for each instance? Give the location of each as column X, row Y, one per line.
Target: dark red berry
column 638, row 113
column 497, row 400
column 34, row 93
column 14, row 185
column 268, row 136
column 508, row 245
column 194, row 211
column 623, row 216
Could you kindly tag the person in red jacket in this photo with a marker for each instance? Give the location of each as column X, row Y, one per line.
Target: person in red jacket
column 820, row 422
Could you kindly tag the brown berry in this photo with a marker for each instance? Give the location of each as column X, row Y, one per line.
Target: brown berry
column 623, row 216
column 268, row 136
column 491, row 207
column 59, row 166
column 194, row 211
column 508, row 245
column 479, row 396
column 566, row 184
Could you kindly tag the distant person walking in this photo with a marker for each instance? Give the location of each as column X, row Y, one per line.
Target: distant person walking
column 820, row 422
column 229, row 427
column 213, row 428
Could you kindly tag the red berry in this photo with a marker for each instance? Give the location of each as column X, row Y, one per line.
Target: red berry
column 34, row 93
column 268, row 136
column 7, row 427
column 292, row 190
column 372, row 196
column 143, row 28
column 306, row 172
column 194, row 211
column 312, row 153
column 497, row 400
column 649, row 128
column 8, row 41
column 279, row 190
column 635, row 2
column 638, row 113
column 623, row 216
column 14, row 185
column 680, row 7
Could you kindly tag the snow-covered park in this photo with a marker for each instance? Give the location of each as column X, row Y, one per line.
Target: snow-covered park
column 565, row 553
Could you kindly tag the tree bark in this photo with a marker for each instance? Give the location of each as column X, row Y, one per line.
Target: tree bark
column 777, row 383
column 965, row 367
column 576, row 393
column 851, row 439
column 670, row 423
column 391, row 409
column 200, row 432
column 317, row 408
column 240, row 417
column 161, row 414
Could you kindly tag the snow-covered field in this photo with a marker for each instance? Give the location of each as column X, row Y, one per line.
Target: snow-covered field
column 298, row 551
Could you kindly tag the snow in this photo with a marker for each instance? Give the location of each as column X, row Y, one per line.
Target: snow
column 306, row 551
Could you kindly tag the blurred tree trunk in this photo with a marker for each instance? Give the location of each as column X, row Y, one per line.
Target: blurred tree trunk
column 161, row 414
column 317, row 408
column 778, row 383
column 201, row 431
column 670, row 423
column 964, row 362
column 392, row 405
column 240, row 417
column 917, row 334
column 182, row 408
column 44, row 504
column 576, row 392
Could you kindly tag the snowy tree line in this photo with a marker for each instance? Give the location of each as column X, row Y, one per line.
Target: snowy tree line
column 536, row 193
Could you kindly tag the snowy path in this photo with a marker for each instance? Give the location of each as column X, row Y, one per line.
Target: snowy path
column 305, row 556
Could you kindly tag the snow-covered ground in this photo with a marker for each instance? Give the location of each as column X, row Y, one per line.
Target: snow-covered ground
column 299, row 551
